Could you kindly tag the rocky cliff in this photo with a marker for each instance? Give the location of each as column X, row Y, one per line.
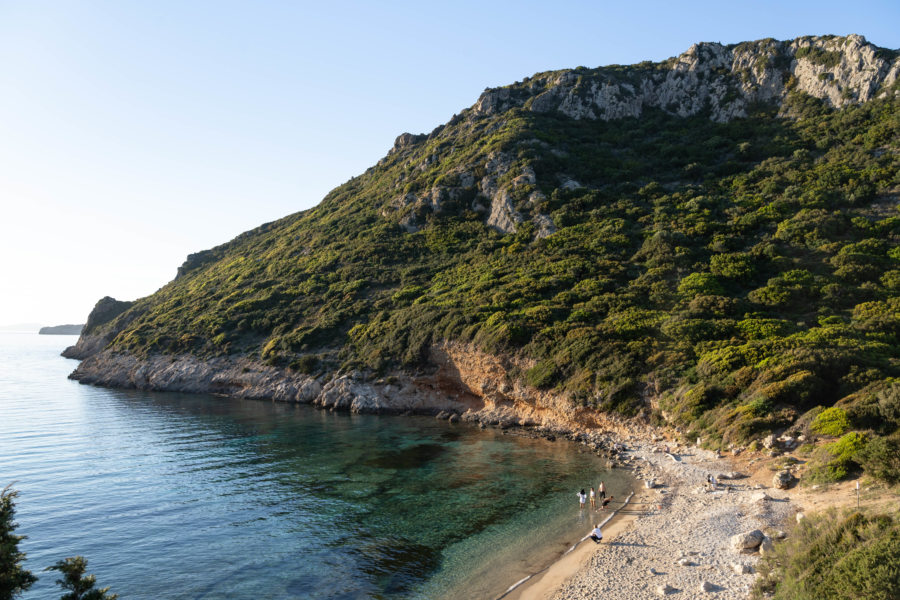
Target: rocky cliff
column 92, row 340
column 468, row 384
column 723, row 81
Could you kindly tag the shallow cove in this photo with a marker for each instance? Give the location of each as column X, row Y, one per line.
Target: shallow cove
column 183, row 496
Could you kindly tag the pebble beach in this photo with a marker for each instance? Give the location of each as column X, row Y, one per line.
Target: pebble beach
column 674, row 539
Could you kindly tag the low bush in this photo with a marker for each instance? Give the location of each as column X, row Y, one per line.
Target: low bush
column 848, row 556
column 831, row 421
column 836, row 461
column 880, row 458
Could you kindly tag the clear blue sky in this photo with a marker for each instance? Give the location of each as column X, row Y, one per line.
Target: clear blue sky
column 134, row 133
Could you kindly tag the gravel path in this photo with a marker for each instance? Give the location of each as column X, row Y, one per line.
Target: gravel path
column 682, row 521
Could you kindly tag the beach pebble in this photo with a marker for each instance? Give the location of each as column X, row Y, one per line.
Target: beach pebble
column 741, row 568
column 761, row 497
column 766, row 547
column 707, row 587
column 800, row 516
column 685, row 561
column 665, row 590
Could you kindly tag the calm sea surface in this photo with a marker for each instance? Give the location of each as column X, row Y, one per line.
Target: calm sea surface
column 185, row 496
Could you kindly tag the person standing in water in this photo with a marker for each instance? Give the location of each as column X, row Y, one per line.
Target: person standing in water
column 593, row 497
column 601, row 490
column 582, row 497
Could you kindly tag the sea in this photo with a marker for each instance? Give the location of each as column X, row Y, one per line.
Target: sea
column 175, row 496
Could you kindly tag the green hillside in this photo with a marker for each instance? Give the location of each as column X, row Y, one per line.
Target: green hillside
column 732, row 278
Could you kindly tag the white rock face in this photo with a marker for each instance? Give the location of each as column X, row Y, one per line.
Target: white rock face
column 503, row 216
column 722, row 80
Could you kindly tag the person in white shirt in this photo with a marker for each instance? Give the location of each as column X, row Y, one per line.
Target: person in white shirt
column 582, row 497
column 596, row 534
column 593, row 498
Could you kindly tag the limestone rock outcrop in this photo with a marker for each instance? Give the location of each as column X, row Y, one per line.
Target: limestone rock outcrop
column 723, row 81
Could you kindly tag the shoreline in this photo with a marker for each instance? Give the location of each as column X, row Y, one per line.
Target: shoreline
column 680, row 543
column 551, row 577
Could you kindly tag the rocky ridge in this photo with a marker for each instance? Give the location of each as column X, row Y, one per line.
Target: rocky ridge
column 724, row 82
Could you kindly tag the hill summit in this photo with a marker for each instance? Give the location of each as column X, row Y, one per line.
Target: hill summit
column 709, row 241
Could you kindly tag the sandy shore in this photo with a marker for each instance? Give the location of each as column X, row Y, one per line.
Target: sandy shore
column 676, row 534
column 544, row 584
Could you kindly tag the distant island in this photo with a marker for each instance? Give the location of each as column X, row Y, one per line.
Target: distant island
column 62, row 330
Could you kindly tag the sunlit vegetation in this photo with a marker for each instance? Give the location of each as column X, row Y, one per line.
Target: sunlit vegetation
column 851, row 555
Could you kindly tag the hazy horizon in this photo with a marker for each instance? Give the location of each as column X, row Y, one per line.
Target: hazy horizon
column 135, row 135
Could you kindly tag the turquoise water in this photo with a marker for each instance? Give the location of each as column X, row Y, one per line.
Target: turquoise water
column 189, row 496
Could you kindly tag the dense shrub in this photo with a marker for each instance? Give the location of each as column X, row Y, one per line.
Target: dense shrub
column 831, row 421
column 837, row 556
column 880, row 458
column 837, row 460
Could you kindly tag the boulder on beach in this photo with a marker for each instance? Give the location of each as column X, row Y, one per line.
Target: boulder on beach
column 748, row 541
column 783, row 479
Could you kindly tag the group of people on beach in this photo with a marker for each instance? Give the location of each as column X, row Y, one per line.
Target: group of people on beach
column 595, row 497
column 599, row 501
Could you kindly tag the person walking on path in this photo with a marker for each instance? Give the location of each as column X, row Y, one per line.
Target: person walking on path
column 596, row 534
column 593, row 498
column 582, row 497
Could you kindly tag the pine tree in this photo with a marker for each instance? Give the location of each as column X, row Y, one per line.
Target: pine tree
column 13, row 578
column 79, row 585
